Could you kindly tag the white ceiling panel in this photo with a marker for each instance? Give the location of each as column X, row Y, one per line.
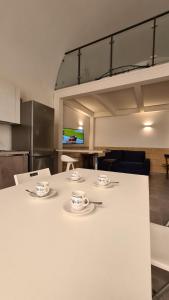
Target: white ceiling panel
column 92, row 104
column 123, row 99
column 156, row 94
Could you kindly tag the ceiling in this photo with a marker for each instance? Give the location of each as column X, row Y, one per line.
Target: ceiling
column 35, row 34
column 149, row 97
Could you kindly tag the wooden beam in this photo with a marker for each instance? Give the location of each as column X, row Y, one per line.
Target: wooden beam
column 156, row 107
column 102, row 114
column 103, row 100
column 78, row 107
column 139, row 97
column 125, row 112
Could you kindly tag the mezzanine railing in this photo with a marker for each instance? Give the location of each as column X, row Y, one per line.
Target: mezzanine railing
column 139, row 46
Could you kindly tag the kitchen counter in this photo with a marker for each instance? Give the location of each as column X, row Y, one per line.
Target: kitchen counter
column 11, row 163
column 88, row 151
column 12, row 153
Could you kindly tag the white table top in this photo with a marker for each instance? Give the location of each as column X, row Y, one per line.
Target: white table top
column 47, row 254
column 80, row 151
column 12, row 153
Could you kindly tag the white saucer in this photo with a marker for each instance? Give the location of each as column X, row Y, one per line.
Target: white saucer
column 51, row 193
column 108, row 185
column 81, row 179
column 67, row 207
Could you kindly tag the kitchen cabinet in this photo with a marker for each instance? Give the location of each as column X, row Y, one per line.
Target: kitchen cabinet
column 9, row 103
column 11, row 164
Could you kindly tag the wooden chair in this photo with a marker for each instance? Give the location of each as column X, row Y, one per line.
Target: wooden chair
column 69, row 160
column 21, row 178
column 167, row 163
column 160, row 253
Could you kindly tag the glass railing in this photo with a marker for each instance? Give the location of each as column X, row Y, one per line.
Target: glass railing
column 139, row 46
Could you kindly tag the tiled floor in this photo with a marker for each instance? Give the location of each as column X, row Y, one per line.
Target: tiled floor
column 159, row 199
column 159, row 213
column 159, row 279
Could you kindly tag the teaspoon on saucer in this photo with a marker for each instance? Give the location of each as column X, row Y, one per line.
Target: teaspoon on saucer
column 31, row 192
column 96, row 202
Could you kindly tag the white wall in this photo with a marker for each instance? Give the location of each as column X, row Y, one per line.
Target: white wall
column 129, row 131
column 5, row 137
column 73, row 119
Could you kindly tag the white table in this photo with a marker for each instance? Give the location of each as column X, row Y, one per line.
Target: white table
column 46, row 254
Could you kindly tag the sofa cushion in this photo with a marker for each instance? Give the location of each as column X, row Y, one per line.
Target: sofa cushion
column 114, row 154
column 129, row 167
column 107, row 164
column 134, row 156
column 134, row 162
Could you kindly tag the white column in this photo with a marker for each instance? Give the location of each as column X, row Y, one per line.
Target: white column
column 91, row 133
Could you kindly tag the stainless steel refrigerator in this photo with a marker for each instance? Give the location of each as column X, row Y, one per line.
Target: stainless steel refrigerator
column 36, row 135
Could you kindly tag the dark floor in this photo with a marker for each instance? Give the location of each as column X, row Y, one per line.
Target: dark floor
column 159, row 279
column 159, row 199
column 159, row 213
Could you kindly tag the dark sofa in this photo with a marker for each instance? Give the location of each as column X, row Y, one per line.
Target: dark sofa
column 125, row 161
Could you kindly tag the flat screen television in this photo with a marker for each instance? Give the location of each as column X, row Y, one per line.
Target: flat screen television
column 73, row 136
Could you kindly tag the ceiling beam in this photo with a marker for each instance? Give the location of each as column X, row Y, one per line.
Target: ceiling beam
column 125, row 112
column 75, row 105
column 156, row 107
column 103, row 100
column 139, row 97
column 102, row 114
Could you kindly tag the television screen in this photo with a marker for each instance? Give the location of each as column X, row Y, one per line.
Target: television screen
column 73, row 136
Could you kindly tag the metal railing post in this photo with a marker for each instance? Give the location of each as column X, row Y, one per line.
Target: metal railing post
column 154, row 42
column 111, row 55
column 79, row 61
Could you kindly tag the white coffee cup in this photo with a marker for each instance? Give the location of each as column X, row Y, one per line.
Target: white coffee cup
column 79, row 200
column 42, row 188
column 75, row 175
column 103, row 179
